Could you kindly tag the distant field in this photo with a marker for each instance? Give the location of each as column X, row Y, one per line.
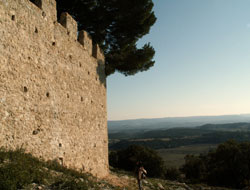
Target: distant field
column 174, row 157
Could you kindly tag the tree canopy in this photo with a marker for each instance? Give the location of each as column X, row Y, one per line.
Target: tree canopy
column 116, row 25
column 126, row 159
column 228, row 166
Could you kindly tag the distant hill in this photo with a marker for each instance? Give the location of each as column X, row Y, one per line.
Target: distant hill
column 129, row 126
column 195, row 131
column 176, row 137
column 181, row 132
column 227, row 127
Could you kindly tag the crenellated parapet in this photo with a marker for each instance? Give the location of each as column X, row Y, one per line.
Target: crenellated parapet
column 70, row 24
column 85, row 40
column 48, row 8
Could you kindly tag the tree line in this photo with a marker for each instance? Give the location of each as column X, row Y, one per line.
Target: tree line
column 226, row 166
column 208, row 137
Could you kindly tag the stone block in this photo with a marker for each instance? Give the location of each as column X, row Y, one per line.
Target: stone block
column 70, row 24
column 85, row 39
column 97, row 53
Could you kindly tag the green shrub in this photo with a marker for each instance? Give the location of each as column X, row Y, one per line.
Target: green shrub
column 19, row 169
column 68, row 184
column 172, row 174
column 54, row 165
column 113, row 159
column 126, row 159
column 228, row 166
column 194, row 168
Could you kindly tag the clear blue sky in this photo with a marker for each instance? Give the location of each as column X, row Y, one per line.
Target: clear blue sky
column 202, row 63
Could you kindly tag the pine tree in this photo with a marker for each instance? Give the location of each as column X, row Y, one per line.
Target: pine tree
column 116, row 25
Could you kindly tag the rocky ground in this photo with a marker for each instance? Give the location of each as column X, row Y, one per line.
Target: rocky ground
column 115, row 181
column 128, row 182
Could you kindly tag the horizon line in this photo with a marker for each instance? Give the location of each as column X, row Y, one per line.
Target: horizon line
column 179, row 117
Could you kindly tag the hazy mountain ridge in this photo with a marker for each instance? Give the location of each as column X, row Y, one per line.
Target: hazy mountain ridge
column 227, row 127
column 172, row 122
column 176, row 137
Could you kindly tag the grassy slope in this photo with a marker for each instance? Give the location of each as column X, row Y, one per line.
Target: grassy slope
column 19, row 170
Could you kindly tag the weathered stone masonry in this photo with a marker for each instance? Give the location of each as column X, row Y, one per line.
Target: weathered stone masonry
column 52, row 87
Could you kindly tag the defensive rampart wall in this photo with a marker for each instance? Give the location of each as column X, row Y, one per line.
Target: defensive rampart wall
column 52, row 87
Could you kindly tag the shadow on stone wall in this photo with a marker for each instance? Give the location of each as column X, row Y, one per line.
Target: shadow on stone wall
column 100, row 70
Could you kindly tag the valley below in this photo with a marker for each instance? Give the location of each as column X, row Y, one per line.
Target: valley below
column 175, row 157
column 174, row 143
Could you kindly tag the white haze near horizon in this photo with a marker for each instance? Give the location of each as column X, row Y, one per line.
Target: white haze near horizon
column 202, row 63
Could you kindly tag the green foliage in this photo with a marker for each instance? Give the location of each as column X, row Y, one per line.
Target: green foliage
column 113, row 159
column 68, row 184
column 194, row 168
column 126, row 159
column 117, row 26
column 178, row 136
column 19, row 169
column 54, row 165
column 172, row 174
column 228, row 165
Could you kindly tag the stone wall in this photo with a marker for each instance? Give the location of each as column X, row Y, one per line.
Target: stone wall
column 52, row 87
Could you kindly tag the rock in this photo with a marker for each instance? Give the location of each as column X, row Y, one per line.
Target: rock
column 171, row 188
column 81, row 179
column 205, row 188
column 180, row 188
column 160, row 186
column 189, row 188
column 39, row 187
column 186, row 186
column 246, row 188
column 125, row 177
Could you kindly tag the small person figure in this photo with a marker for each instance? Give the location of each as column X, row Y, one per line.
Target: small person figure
column 140, row 173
